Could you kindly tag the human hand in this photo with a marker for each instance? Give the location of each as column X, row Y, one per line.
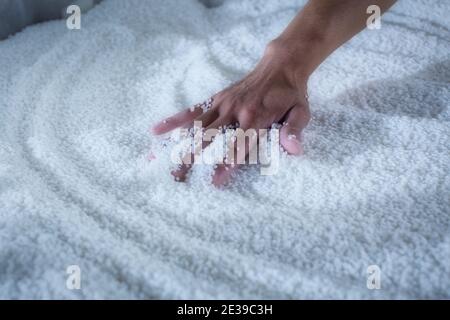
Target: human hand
column 269, row 94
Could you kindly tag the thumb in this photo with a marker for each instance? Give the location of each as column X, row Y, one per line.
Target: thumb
column 290, row 134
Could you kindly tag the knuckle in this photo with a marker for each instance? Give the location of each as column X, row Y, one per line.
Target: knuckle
column 225, row 107
column 250, row 112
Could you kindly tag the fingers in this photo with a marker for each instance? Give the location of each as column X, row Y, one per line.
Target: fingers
column 242, row 146
column 290, row 134
column 206, row 118
column 185, row 117
column 177, row 120
column 239, row 149
column 181, row 172
column 223, row 175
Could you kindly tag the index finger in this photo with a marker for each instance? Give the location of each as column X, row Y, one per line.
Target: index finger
column 177, row 120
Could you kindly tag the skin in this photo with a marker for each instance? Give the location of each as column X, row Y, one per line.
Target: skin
column 276, row 89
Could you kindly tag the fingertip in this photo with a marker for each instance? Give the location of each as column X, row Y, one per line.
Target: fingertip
column 156, row 129
column 178, row 177
column 180, row 173
column 293, row 147
column 221, row 176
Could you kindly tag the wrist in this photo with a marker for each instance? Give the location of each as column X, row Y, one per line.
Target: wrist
column 292, row 61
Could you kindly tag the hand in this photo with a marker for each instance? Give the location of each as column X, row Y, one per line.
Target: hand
column 268, row 94
column 275, row 91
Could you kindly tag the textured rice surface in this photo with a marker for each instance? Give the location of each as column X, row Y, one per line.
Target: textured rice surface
column 77, row 186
